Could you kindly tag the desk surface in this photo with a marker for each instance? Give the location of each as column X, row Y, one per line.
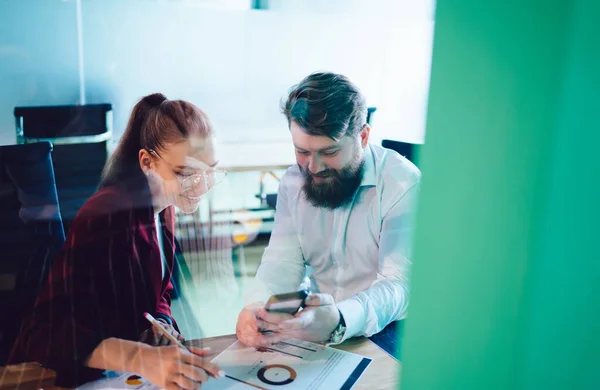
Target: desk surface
column 383, row 373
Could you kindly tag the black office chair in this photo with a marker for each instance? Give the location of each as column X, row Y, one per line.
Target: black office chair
column 31, row 233
column 80, row 135
column 370, row 111
column 408, row 150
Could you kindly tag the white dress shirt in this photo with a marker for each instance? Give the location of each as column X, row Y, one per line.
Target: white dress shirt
column 360, row 254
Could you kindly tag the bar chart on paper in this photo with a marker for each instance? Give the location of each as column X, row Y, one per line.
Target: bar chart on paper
column 291, row 364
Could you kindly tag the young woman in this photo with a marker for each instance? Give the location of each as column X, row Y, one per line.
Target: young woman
column 117, row 260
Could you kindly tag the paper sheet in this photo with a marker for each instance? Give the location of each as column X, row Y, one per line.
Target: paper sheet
column 122, row 380
column 292, row 364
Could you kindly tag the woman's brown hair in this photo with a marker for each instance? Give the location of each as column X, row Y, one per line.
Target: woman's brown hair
column 154, row 122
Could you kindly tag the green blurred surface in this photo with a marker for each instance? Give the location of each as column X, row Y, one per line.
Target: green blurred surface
column 506, row 276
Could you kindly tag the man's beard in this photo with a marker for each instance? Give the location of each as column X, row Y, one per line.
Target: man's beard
column 338, row 188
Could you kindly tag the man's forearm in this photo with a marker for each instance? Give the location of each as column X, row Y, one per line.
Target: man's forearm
column 369, row 311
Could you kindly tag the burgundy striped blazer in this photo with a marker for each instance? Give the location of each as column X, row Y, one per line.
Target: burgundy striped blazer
column 108, row 273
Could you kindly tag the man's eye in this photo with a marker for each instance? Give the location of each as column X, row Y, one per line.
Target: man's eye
column 330, row 154
column 304, row 153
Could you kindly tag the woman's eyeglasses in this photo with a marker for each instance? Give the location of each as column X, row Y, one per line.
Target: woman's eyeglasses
column 196, row 180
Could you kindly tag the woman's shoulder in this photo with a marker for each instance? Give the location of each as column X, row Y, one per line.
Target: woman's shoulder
column 109, row 210
column 107, row 200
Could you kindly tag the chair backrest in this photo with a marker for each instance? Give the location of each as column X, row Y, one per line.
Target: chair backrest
column 31, row 232
column 80, row 135
column 408, row 150
column 370, row 111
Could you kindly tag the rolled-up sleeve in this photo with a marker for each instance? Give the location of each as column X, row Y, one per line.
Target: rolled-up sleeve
column 386, row 300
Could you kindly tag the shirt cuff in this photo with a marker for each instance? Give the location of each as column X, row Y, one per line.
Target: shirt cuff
column 164, row 317
column 354, row 316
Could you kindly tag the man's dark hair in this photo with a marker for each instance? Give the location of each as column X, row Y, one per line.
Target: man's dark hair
column 327, row 104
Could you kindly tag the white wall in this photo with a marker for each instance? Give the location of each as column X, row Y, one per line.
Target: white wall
column 38, row 57
column 236, row 65
column 398, row 84
column 395, row 8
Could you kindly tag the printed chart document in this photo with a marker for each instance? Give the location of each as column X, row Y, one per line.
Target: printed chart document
column 292, row 364
column 119, row 380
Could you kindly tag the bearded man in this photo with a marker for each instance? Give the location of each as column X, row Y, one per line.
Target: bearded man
column 344, row 222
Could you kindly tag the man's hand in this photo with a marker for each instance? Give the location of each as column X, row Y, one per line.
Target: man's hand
column 153, row 337
column 314, row 323
column 251, row 326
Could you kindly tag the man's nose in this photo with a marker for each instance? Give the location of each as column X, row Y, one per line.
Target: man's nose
column 316, row 165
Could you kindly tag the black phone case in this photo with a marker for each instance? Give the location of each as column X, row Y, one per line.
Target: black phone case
column 302, row 294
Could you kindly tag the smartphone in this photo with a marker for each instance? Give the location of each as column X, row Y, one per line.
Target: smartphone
column 288, row 303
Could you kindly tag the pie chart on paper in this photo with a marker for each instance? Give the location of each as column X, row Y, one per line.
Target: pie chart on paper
column 276, row 374
column 134, row 380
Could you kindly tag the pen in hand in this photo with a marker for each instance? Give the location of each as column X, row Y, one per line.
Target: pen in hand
column 172, row 338
column 158, row 326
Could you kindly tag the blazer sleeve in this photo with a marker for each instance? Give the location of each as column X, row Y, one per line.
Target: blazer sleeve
column 70, row 318
column 164, row 305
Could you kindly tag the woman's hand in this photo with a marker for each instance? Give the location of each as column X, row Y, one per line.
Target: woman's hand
column 169, row 367
column 155, row 338
column 172, row 367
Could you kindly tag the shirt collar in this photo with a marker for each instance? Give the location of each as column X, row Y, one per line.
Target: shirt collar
column 369, row 178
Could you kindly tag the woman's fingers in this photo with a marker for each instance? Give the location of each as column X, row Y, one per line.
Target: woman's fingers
column 200, row 360
column 186, row 383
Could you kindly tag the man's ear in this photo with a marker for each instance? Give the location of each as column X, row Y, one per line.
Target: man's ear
column 145, row 160
column 364, row 135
